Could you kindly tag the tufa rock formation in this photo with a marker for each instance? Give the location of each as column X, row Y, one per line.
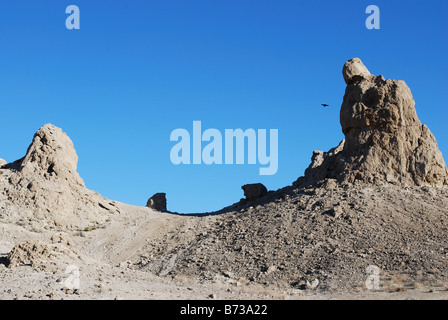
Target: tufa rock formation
column 51, row 154
column 157, row 202
column 384, row 140
column 45, row 189
column 254, row 191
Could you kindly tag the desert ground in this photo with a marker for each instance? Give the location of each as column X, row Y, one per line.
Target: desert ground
column 110, row 266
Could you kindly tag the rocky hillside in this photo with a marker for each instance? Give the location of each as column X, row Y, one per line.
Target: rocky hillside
column 379, row 198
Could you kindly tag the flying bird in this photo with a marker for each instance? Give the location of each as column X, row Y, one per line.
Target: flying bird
column 324, row 105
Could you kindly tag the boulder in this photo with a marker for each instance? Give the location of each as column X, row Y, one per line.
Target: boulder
column 157, row 202
column 254, row 191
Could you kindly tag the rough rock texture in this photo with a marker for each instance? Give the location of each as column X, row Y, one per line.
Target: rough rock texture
column 51, row 154
column 384, row 139
column 43, row 189
column 354, row 70
column 331, row 234
column 254, row 191
column 40, row 256
column 2, row 162
column 157, row 202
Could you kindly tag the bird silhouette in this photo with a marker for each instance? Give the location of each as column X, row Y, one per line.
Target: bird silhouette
column 324, row 105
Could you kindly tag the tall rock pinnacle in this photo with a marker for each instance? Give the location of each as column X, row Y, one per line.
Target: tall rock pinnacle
column 385, row 141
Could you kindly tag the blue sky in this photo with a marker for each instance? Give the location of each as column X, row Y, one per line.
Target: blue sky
column 137, row 70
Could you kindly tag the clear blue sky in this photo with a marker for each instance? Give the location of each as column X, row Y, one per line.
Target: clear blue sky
column 136, row 70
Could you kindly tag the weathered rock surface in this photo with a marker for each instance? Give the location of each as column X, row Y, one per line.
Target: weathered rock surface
column 2, row 162
column 40, row 255
column 378, row 198
column 45, row 190
column 254, row 191
column 358, row 205
column 52, row 155
column 354, row 70
column 314, row 233
column 385, row 141
column 157, row 202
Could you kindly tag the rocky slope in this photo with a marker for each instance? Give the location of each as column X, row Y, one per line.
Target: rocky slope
column 330, row 234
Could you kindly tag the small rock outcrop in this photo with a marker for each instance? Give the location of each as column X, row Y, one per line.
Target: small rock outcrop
column 385, row 141
column 254, row 191
column 2, row 162
column 157, row 202
column 41, row 256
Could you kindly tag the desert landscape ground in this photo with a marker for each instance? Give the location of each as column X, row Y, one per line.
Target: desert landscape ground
column 378, row 199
